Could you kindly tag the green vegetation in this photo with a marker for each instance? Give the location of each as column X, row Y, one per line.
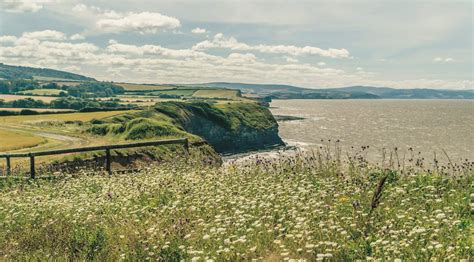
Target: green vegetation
column 23, row 72
column 44, row 92
column 171, row 118
column 65, row 103
column 82, row 90
column 312, row 207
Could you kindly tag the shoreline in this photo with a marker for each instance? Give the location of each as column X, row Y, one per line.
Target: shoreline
column 266, row 153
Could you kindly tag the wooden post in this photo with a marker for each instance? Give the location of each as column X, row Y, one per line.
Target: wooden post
column 186, row 145
column 32, row 166
column 108, row 161
column 9, row 167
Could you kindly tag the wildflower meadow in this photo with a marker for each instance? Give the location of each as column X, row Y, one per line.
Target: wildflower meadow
column 308, row 206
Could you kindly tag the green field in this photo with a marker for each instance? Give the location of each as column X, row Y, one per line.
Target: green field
column 43, row 92
column 301, row 208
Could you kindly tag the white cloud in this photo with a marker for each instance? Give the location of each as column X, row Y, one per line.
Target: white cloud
column 198, row 30
column 45, row 35
column 443, row 60
column 291, row 60
column 155, row 63
column 22, row 6
column 77, row 37
column 321, row 64
column 220, row 41
column 359, row 69
column 242, row 58
column 7, row 39
column 80, row 8
column 145, row 23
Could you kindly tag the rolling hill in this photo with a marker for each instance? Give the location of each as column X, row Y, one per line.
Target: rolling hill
column 264, row 90
column 23, row 72
column 288, row 91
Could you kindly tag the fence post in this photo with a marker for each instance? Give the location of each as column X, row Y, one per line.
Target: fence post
column 186, row 145
column 9, row 167
column 107, row 161
column 32, row 166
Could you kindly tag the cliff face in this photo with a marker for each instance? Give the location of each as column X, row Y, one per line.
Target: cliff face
column 230, row 128
column 233, row 141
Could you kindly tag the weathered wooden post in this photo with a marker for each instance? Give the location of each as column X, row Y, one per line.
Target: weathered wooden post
column 9, row 167
column 32, row 166
column 186, row 145
column 108, row 161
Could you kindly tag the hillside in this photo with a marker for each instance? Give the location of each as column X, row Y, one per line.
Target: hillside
column 421, row 93
column 294, row 92
column 23, row 72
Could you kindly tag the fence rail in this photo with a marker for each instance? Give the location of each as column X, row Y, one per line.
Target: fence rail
column 107, row 148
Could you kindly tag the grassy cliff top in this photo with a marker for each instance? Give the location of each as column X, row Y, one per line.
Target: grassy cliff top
column 169, row 119
column 232, row 116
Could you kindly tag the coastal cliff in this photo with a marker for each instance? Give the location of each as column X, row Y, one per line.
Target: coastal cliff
column 230, row 128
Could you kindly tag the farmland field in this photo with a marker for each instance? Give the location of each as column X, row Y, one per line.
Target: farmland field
column 178, row 92
column 10, row 140
column 36, row 109
column 67, row 83
column 217, row 93
column 45, row 78
column 61, row 117
column 142, row 87
column 8, row 98
column 43, row 92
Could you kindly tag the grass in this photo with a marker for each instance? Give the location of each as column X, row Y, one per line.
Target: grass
column 8, row 98
column 43, row 92
column 62, row 117
column 314, row 207
column 10, row 140
column 217, row 93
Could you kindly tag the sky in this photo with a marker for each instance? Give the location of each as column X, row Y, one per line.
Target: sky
column 315, row 44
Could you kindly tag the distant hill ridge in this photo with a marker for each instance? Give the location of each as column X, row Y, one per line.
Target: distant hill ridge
column 24, row 72
column 271, row 90
column 280, row 91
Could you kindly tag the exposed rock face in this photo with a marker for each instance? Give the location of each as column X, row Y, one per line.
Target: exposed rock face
column 229, row 128
column 233, row 141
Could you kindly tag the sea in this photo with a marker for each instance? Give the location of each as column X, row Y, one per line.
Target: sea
column 426, row 128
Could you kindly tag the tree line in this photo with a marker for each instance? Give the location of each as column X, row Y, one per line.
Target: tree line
column 83, row 90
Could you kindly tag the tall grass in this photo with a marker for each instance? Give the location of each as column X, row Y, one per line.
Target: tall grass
column 322, row 205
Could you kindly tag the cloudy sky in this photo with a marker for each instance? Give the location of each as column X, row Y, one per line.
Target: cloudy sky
column 402, row 44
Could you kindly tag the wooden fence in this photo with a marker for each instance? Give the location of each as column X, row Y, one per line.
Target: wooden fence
column 107, row 148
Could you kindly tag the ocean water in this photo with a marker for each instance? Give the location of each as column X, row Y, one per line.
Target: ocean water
column 427, row 126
